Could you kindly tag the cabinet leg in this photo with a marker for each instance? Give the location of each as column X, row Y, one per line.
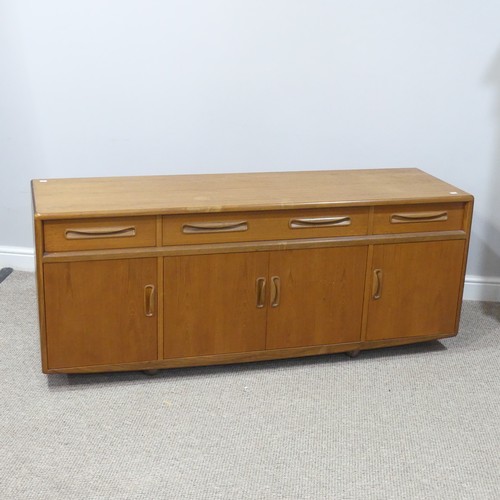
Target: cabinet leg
column 150, row 372
column 353, row 354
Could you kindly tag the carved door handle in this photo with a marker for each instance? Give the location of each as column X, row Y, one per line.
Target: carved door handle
column 261, row 292
column 149, row 303
column 377, row 284
column 276, row 295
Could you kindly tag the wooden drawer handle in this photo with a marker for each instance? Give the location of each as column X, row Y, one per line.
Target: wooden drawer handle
column 99, row 232
column 419, row 217
column 319, row 222
column 214, row 227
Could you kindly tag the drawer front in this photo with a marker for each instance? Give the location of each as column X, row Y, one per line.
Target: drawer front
column 418, row 218
column 96, row 234
column 260, row 226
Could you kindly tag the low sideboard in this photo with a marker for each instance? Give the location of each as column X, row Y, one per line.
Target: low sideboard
column 142, row 273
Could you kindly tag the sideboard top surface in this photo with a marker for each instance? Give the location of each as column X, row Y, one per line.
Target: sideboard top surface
column 175, row 194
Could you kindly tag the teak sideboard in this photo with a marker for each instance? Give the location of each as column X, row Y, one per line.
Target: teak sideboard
column 141, row 273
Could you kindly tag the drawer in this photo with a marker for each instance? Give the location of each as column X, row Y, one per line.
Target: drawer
column 96, row 234
column 260, row 226
column 418, row 218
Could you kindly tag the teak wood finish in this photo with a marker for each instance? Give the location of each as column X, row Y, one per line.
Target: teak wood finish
column 211, row 307
column 100, row 312
column 418, row 289
column 320, row 298
column 140, row 273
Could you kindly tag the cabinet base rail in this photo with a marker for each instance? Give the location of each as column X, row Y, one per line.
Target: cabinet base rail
column 247, row 357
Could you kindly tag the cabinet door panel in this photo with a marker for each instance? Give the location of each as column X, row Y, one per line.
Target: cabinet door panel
column 320, row 296
column 95, row 312
column 211, row 304
column 419, row 289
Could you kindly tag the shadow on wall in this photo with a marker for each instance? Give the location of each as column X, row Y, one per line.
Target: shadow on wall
column 490, row 258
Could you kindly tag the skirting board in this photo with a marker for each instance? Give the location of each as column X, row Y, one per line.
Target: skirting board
column 482, row 288
column 19, row 258
column 476, row 287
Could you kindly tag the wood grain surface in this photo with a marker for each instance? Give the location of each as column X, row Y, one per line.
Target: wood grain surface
column 108, row 196
column 95, row 312
column 419, row 290
column 147, row 273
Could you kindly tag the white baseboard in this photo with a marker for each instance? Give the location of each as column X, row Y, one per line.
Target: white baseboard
column 19, row 258
column 482, row 288
column 476, row 287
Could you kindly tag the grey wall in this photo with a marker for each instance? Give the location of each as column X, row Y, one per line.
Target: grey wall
column 118, row 87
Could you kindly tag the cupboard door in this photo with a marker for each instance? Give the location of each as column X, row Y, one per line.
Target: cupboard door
column 316, row 296
column 415, row 289
column 100, row 312
column 215, row 304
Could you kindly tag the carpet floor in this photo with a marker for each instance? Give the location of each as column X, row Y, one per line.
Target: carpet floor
column 414, row 422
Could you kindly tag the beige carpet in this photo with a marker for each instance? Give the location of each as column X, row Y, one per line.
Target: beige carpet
column 416, row 422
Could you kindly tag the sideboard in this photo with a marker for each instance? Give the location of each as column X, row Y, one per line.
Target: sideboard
column 141, row 273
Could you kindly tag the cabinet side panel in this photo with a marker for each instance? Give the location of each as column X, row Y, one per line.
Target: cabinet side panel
column 467, row 226
column 38, row 227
